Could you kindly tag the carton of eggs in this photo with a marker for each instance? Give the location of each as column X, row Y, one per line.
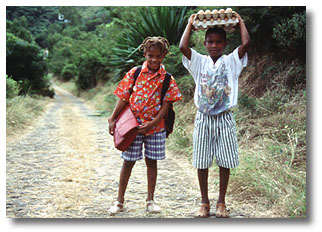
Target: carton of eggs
column 217, row 18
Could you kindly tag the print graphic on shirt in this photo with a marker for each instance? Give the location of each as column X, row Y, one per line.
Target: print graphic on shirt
column 214, row 90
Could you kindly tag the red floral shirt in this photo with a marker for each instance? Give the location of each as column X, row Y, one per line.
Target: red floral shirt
column 145, row 100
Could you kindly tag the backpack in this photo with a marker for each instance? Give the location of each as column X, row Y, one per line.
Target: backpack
column 170, row 116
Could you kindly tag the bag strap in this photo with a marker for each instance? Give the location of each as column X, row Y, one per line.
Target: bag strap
column 165, row 85
column 136, row 74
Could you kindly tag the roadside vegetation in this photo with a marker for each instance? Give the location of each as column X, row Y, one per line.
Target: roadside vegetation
column 21, row 111
column 90, row 50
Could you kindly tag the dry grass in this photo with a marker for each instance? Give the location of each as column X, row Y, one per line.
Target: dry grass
column 273, row 156
column 21, row 113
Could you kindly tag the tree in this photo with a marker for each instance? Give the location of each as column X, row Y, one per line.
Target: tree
column 19, row 28
column 71, row 14
column 260, row 22
column 38, row 19
column 25, row 63
column 290, row 35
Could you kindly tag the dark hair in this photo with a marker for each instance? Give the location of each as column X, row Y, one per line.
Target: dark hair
column 159, row 41
column 216, row 30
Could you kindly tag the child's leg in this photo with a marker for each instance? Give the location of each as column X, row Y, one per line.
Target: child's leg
column 124, row 178
column 203, row 184
column 152, row 171
column 221, row 210
column 223, row 184
column 154, row 150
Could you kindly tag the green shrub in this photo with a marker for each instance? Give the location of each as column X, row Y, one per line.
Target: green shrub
column 61, row 54
column 186, row 86
column 89, row 65
column 24, row 62
column 246, row 102
column 12, row 87
column 290, row 34
column 173, row 62
column 69, row 71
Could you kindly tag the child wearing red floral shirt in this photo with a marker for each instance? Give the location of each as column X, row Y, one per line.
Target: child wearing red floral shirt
column 144, row 97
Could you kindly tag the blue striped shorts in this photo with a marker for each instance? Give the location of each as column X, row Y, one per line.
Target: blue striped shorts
column 215, row 136
column 154, row 147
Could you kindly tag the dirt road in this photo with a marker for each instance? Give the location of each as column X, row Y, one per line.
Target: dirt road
column 67, row 167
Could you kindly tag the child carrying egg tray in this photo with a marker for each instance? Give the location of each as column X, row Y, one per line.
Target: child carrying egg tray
column 222, row 18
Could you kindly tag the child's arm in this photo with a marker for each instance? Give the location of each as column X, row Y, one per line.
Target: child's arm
column 146, row 127
column 117, row 110
column 245, row 39
column 184, row 42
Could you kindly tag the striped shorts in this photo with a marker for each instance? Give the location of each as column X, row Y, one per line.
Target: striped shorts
column 215, row 136
column 154, row 147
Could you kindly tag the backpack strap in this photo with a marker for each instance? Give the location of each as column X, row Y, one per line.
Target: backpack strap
column 170, row 116
column 165, row 85
column 136, row 74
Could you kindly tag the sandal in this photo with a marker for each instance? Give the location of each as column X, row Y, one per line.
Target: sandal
column 116, row 208
column 204, row 210
column 221, row 211
column 151, row 207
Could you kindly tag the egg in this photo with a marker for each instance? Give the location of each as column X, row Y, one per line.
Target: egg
column 208, row 14
column 201, row 14
column 214, row 14
column 222, row 13
column 229, row 12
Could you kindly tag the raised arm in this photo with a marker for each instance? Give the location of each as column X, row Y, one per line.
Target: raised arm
column 184, row 42
column 245, row 39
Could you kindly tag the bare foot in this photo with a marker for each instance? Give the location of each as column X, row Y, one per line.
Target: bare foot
column 203, row 212
column 221, row 211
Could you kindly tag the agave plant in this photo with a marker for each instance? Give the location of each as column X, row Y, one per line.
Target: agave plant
column 168, row 22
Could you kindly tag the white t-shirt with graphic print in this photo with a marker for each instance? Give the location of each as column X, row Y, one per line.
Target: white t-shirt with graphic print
column 216, row 83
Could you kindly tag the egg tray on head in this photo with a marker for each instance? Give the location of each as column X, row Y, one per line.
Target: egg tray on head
column 225, row 19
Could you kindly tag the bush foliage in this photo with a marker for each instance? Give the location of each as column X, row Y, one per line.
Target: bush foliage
column 25, row 63
column 12, row 88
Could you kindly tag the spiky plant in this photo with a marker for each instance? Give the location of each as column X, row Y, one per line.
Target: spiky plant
column 168, row 22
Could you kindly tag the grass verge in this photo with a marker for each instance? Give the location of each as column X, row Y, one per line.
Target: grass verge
column 21, row 112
